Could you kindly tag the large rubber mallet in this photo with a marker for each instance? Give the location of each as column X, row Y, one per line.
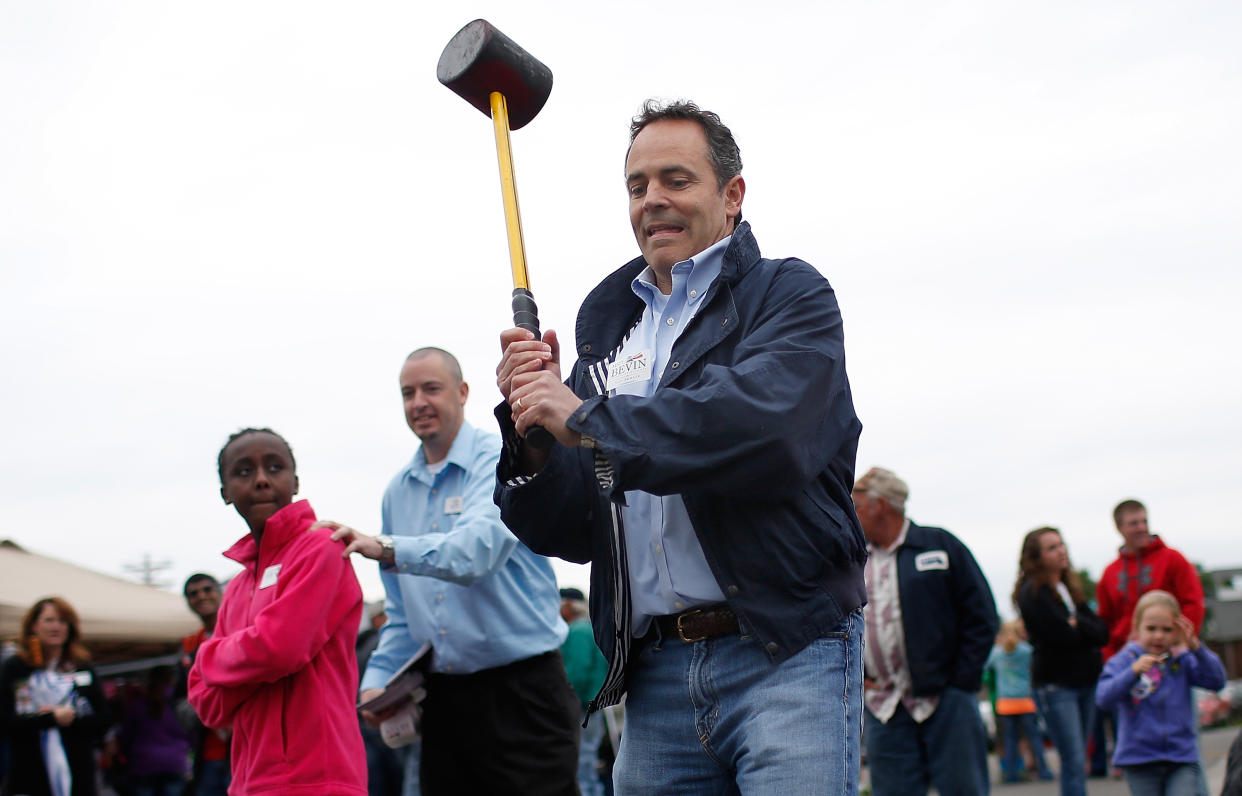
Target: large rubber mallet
column 487, row 69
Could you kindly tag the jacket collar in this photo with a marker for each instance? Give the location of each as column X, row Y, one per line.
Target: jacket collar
column 611, row 309
column 281, row 527
column 916, row 537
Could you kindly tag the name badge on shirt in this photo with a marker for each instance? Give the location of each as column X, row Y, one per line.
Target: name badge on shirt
column 452, row 505
column 932, row 559
column 635, row 367
column 269, row 576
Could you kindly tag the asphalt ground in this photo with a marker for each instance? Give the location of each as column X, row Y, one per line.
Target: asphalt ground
column 1214, row 744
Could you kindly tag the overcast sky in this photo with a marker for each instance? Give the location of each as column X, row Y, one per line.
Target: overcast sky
column 245, row 214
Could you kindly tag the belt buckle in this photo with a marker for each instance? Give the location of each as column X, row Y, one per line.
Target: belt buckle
column 681, row 631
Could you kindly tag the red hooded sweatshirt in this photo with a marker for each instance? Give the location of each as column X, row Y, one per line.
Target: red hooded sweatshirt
column 1134, row 574
column 281, row 668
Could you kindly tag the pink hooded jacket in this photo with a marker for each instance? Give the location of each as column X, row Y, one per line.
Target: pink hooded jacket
column 280, row 669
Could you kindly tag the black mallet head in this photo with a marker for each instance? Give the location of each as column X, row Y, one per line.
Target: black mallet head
column 480, row 59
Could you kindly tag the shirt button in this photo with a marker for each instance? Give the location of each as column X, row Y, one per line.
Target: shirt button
column 433, row 491
column 679, row 605
column 693, row 293
column 670, row 321
column 771, row 647
column 445, row 633
column 733, row 590
column 659, row 548
column 675, row 365
column 435, row 527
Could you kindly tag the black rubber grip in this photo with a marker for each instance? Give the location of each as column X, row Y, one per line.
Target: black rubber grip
column 526, row 316
column 525, row 312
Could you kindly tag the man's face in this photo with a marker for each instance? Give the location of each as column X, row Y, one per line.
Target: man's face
column 258, row 478
column 435, row 402
column 203, row 597
column 1133, row 529
column 675, row 209
column 867, row 507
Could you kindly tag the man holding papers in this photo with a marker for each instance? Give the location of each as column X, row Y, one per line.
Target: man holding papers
column 499, row 715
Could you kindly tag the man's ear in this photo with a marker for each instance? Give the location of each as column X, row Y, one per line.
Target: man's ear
column 225, row 497
column 295, row 484
column 734, row 192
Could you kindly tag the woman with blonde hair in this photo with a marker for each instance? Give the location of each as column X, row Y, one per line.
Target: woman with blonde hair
column 52, row 708
column 1066, row 636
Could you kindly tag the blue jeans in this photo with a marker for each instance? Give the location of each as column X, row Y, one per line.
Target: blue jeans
column 213, row 778
column 1067, row 713
column 949, row 750
column 411, row 785
column 158, row 785
column 589, row 782
column 1163, row 779
column 1011, row 761
column 718, row 716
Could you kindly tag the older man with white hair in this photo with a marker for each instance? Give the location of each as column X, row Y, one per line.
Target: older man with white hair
column 931, row 622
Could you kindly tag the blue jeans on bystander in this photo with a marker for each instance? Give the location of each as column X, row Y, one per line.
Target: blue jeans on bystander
column 1011, row 760
column 1163, row 779
column 1067, row 714
column 718, row 716
column 949, row 750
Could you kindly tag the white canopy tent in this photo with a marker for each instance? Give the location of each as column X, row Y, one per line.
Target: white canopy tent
column 110, row 609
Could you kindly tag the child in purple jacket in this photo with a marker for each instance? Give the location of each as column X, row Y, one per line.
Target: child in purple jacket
column 1149, row 681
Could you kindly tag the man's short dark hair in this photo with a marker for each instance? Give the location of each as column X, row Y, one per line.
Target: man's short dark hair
column 197, row 577
column 722, row 150
column 1125, row 507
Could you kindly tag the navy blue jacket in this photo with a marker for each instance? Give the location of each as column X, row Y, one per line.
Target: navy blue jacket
column 947, row 612
column 752, row 424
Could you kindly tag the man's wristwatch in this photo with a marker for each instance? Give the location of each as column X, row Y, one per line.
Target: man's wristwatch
column 388, row 551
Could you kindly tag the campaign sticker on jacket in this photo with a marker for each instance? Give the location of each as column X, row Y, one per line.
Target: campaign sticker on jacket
column 932, row 559
column 453, row 505
column 269, row 576
column 635, row 367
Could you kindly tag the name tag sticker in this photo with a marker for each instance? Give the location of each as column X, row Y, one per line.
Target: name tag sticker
column 269, row 576
column 932, row 559
column 635, row 367
column 81, row 679
column 452, row 505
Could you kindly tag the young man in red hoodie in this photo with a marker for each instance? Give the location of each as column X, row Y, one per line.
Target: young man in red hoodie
column 1143, row 563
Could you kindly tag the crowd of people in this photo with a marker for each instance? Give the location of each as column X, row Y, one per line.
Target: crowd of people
column 704, row 465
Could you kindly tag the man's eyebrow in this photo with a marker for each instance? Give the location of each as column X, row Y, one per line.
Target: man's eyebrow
column 636, row 175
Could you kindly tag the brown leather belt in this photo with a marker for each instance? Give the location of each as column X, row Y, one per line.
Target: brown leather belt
column 699, row 624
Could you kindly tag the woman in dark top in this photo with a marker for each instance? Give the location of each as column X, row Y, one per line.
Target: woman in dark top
column 1067, row 636
column 52, row 709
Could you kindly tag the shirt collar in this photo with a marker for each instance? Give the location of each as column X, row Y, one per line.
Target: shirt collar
column 691, row 278
column 897, row 543
column 459, row 454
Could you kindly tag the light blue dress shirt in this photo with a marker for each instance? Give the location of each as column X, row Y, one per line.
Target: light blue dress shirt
column 461, row 579
column 668, row 572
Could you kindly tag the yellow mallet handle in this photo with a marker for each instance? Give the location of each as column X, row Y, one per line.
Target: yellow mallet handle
column 525, row 313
